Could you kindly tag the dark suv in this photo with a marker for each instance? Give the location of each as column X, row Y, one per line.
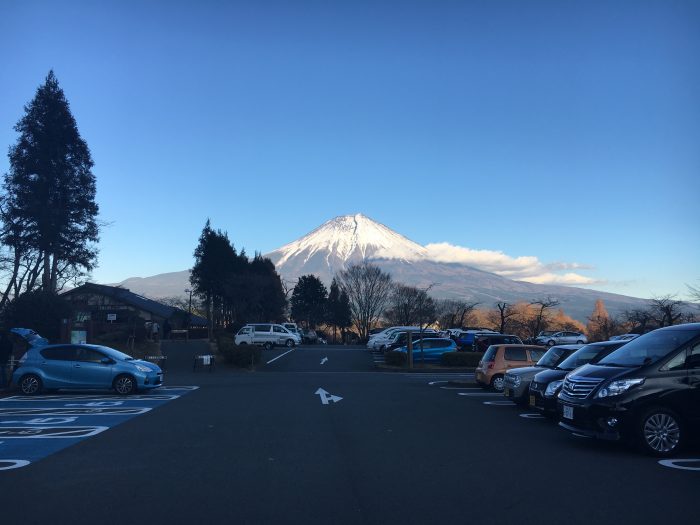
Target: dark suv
column 646, row 392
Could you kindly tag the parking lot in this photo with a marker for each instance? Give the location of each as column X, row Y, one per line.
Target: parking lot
column 318, row 435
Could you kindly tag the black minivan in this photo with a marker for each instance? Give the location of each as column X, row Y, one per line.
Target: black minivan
column 647, row 392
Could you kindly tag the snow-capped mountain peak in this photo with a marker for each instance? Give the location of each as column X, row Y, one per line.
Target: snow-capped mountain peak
column 350, row 238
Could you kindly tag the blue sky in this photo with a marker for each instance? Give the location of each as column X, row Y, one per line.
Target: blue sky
column 564, row 131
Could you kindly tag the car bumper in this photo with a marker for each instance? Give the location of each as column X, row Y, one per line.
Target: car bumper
column 601, row 421
column 539, row 401
column 516, row 393
column 150, row 381
column 481, row 378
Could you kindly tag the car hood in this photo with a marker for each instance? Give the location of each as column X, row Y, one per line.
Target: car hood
column 547, row 376
column 147, row 364
column 601, row 372
column 30, row 336
column 528, row 371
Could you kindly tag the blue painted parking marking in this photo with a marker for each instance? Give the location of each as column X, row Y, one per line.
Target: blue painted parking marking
column 32, row 428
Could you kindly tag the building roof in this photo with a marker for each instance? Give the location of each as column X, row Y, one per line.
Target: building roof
column 138, row 301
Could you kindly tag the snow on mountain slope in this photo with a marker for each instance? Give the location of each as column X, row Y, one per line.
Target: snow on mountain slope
column 351, row 238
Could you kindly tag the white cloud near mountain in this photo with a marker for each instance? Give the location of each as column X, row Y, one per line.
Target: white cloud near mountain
column 524, row 268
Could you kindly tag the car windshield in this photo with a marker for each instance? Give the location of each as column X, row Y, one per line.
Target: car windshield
column 490, row 354
column 553, row 357
column 583, row 356
column 648, row 348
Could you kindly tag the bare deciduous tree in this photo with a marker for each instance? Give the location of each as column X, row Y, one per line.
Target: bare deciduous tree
column 540, row 318
column 454, row 314
column 666, row 310
column 368, row 289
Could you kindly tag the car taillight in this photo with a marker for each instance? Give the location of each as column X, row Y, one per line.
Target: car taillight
column 490, row 365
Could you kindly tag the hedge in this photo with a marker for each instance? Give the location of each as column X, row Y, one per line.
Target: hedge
column 238, row 355
column 464, row 359
column 395, row 358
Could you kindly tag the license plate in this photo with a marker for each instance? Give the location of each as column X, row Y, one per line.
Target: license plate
column 506, row 392
column 532, row 401
column 568, row 412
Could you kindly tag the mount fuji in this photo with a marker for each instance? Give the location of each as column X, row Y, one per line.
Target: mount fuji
column 349, row 239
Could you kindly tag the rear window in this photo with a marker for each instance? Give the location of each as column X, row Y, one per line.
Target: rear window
column 60, row 353
column 649, row 348
column 515, row 354
column 490, row 354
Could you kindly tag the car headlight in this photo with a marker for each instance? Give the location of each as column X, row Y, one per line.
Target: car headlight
column 517, row 381
column 552, row 388
column 142, row 368
column 619, row 387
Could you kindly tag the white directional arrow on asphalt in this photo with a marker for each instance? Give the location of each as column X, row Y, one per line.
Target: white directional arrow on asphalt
column 326, row 396
column 323, row 361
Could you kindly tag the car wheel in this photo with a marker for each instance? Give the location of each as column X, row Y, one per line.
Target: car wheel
column 289, row 343
column 550, row 343
column 660, row 432
column 242, row 343
column 579, row 342
column 30, row 385
column 497, row 383
column 124, row 385
column 267, row 346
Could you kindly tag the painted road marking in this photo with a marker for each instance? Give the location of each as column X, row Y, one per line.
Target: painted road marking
column 673, row 463
column 459, row 388
column 327, row 397
column 62, row 399
column 62, row 411
column 49, row 432
column 31, row 430
column 479, row 394
column 324, row 360
column 169, row 388
column 281, row 355
column 532, row 416
column 437, row 382
column 499, row 403
column 9, row 464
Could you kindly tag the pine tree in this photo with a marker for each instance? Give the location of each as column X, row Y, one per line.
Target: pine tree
column 337, row 308
column 309, row 300
column 50, row 189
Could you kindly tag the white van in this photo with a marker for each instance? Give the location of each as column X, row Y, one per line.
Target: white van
column 266, row 334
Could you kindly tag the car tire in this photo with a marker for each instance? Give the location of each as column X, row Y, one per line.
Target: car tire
column 550, row 343
column 579, row 342
column 497, row 383
column 268, row 346
column 242, row 343
column 289, row 343
column 660, row 432
column 124, row 385
column 30, row 385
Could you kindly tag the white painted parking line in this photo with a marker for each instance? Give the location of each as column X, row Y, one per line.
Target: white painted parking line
column 107, row 398
column 532, row 416
column 503, row 403
column 479, row 394
column 168, row 388
column 9, row 464
column 49, row 432
column 458, row 388
column 281, row 355
column 327, row 397
column 673, row 463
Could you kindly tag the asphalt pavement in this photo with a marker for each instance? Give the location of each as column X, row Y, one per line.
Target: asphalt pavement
column 319, row 435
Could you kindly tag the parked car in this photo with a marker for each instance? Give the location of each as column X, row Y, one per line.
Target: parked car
column 465, row 339
column 267, row 335
column 483, row 341
column 562, row 338
column 624, row 337
column 84, row 366
column 432, row 351
column 379, row 340
column 647, row 392
column 401, row 339
column 309, row 336
column 498, row 359
column 517, row 382
column 546, row 384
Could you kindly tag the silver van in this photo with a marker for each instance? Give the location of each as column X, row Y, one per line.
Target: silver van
column 266, row 334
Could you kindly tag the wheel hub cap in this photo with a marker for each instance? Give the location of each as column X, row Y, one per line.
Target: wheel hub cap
column 661, row 432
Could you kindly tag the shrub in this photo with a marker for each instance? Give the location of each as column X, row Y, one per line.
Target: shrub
column 238, row 355
column 465, row 359
column 395, row 358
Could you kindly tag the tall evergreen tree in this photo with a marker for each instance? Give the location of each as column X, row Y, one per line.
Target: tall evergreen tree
column 309, row 300
column 338, row 308
column 49, row 193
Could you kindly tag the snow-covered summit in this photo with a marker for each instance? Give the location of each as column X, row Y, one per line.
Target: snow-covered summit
column 350, row 238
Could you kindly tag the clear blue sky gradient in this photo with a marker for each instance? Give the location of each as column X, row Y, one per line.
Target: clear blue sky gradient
column 565, row 130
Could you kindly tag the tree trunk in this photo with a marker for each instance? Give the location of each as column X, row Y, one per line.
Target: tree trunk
column 46, row 279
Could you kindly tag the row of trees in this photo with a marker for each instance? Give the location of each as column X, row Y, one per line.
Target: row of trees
column 312, row 304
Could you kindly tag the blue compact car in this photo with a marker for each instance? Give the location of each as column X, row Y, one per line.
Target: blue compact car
column 84, row 366
column 433, row 348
